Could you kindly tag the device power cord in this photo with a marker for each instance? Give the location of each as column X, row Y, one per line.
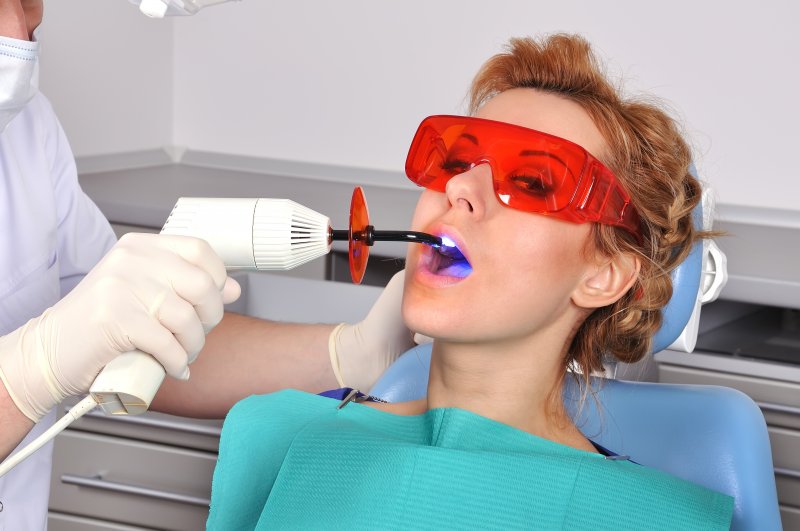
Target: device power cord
column 73, row 414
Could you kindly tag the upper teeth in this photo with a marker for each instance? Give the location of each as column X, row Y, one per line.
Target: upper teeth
column 451, row 252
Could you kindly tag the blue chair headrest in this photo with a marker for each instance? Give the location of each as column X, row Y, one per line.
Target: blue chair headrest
column 685, row 290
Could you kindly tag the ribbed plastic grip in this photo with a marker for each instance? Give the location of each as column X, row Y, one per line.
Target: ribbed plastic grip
column 253, row 233
column 286, row 234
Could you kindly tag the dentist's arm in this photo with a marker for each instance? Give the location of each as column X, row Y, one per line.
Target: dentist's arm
column 15, row 424
column 245, row 356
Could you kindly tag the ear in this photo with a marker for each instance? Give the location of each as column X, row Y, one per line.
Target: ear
column 606, row 281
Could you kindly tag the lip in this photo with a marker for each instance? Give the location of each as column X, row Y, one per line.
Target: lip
column 423, row 272
column 453, row 234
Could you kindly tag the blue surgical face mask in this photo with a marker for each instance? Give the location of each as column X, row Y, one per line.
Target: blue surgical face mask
column 19, row 64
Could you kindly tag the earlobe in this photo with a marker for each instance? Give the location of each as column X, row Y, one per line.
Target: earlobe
column 607, row 281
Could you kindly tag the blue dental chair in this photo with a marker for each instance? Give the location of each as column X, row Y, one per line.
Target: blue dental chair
column 710, row 435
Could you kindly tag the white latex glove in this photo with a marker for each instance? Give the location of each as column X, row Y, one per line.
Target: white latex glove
column 361, row 352
column 157, row 293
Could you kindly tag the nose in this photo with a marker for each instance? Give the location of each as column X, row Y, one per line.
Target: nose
column 471, row 190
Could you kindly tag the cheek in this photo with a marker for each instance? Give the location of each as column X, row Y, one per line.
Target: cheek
column 544, row 253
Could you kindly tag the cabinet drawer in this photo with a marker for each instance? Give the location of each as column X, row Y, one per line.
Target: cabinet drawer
column 790, row 518
column 786, row 459
column 197, row 434
column 131, row 482
column 785, row 449
column 788, row 490
column 68, row 522
column 779, row 401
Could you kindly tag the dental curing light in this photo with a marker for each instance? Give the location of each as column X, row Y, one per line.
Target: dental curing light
column 251, row 234
column 258, row 234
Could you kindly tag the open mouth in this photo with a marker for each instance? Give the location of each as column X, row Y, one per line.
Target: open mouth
column 448, row 260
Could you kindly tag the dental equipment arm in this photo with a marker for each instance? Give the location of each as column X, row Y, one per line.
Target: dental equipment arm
column 161, row 8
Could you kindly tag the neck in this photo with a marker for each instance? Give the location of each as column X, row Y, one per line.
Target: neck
column 516, row 383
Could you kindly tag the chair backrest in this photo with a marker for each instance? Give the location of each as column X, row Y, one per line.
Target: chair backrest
column 710, row 435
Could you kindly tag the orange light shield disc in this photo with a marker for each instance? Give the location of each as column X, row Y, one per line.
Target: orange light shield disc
column 359, row 250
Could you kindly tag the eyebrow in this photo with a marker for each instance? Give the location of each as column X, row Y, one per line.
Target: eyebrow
column 538, row 153
column 471, row 138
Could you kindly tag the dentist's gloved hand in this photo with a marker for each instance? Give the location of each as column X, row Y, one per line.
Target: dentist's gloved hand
column 361, row 352
column 158, row 293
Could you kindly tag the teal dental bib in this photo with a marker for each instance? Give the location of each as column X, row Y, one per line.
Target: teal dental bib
column 292, row 460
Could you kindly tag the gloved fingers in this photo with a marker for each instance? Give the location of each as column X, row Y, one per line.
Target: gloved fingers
column 199, row 253
column 180, row 318
column 384, row 325
column 388, row 308
column 148, row 335
column 422, row 339
column 361, row 352
column 231, row 291
column 198, row 288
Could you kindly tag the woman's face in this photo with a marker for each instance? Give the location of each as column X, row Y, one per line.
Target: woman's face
column 523, row 267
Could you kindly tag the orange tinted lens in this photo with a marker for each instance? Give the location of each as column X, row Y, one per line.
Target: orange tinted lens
column 359, row 251
column 425, row 158
column 534, row 174
column 532, row 171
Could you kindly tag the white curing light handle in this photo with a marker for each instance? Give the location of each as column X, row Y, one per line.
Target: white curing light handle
column 251, row 234
column 127, row 385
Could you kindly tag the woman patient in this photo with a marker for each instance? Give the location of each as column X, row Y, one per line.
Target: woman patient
column 569, row 206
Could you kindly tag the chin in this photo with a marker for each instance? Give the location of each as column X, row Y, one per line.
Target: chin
column 436, row 320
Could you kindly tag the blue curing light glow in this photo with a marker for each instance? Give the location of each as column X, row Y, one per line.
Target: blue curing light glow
column 447, row 242
column 453, row 263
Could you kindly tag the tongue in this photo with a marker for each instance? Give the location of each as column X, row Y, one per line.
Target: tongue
column 454, row 268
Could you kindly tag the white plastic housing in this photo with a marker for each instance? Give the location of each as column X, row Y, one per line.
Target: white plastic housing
column 714, row 277
column 127, row 385
column 253, row 233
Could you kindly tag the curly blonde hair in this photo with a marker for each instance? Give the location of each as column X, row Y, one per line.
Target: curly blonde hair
column 649, row 156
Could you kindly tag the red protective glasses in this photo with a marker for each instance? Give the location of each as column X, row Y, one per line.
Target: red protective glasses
column 532, row 171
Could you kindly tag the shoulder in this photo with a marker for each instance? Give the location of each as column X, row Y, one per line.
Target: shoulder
column 29, row 131
column 613, row 493
column 256, row 436
column 296, row 400
column 41, row 107
column 415, row 407
column 36, row 117
column 39, row 143
column 278, row 414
